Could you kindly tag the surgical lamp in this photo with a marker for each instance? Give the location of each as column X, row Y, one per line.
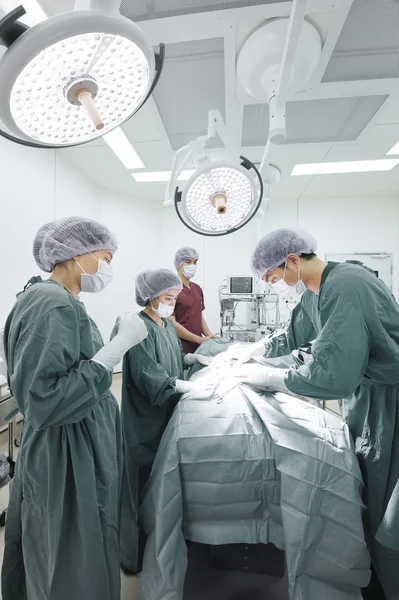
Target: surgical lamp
column 73, row 77
column 222, row 195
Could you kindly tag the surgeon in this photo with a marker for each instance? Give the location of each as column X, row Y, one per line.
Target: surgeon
column 153, row 383
column 61, row 536
column 188, row 317
column 355, row 358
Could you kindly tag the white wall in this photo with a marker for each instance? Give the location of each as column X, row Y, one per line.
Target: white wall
column 36, row 187
column 138, row 229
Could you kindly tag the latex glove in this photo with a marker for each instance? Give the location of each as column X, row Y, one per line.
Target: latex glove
column 200, row 387
column 241, row 353
column 132, row 331
column 267, row 378
column 197, row 359
column 247, row 353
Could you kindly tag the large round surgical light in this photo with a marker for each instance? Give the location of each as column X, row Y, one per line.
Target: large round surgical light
column 220, row 197
column 74, row 77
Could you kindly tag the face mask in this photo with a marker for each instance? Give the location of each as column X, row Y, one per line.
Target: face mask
column 283, row 287
column 164, row 310
column 189, row 271
column 280, row 287
column 97, row 281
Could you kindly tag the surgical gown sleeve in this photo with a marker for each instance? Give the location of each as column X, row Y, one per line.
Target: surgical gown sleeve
column 150, row 378
column 53, row 384
column 300, row 330
column 340, row 353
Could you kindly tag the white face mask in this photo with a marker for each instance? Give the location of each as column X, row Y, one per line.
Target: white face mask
column 189, row 271
column 282, row 286
column 164, row 310
column 96, row 282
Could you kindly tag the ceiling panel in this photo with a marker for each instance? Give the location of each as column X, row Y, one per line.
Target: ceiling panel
column 192, row 83
column 370, row 25
column 368, row 46
column 146, row 10
column 335, row 120
column 356, row 66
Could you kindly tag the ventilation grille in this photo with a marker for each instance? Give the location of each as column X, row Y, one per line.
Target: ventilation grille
column 368, row 47
column 146, row 10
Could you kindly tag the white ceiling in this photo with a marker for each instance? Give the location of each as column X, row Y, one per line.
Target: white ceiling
column 349, row 111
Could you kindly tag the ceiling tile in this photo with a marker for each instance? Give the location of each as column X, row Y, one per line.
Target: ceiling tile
column 334, row 120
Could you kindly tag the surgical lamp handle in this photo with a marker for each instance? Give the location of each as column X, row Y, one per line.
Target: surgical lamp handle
column 177, row 166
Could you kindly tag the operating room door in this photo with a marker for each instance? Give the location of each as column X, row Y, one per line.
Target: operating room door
column 380, row 263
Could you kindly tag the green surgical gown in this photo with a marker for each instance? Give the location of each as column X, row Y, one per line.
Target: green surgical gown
column 61, row 540
column 356, row 357
column 150, row 370
column 303, row 327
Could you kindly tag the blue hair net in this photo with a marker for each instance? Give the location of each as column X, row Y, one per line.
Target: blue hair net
column 184, row 254
column 273, row 250
column 151, row 284
column 59, row 241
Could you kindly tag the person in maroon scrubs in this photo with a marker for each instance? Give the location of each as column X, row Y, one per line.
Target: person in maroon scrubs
column 188, row 319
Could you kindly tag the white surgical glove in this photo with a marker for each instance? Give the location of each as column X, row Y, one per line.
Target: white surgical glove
column 194, row 359
column 241, row 353
column 267, row 378
column 132, row 331
column 247, row 353
column 201, row 387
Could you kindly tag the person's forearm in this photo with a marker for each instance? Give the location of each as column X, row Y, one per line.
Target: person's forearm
column 205, row 329
column 185, row 334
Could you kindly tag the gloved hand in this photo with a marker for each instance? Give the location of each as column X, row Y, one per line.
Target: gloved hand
column 194, row 359
column 200, row 387
column 247, row 353
column 242, row 353
column 267, row 378
column 132, row 331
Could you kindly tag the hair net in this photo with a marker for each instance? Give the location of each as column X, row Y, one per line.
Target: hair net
column 274, row 248
column 61, row 240
column 151, row 284
column 184, row 254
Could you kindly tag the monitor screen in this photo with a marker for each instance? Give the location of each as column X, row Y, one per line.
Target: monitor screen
column 241, row 285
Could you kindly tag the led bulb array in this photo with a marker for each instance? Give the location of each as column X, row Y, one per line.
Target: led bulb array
column 233, row 184
column 38, row 101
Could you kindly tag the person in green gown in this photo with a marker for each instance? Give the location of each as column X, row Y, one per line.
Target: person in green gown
column 355, row 359
column 61, row 539
column 153, row 382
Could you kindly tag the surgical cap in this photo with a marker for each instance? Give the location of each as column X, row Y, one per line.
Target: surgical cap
column 184, row 254
column 61, row 240
column 273, row 250
column 151, row 284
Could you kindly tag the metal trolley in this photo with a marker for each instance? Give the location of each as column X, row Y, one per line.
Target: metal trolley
column 8, row 420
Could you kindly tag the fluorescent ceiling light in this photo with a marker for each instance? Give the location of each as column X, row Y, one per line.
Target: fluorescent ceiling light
column 162, row 176
column 350, row 166
column 123, row 149
column 34, row 11
column 394, row 150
